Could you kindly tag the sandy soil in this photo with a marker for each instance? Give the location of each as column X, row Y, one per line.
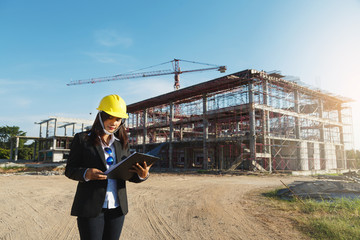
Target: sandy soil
column 166, row 206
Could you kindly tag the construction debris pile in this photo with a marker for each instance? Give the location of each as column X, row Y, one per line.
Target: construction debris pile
column 30, row 168
column 326, row 188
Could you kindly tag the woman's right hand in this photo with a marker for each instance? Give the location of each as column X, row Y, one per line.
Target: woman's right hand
column 95, row 174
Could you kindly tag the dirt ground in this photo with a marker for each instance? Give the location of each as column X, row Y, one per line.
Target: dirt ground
column 166, row 206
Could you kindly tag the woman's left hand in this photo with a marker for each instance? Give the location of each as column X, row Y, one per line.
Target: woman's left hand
column 141, row 170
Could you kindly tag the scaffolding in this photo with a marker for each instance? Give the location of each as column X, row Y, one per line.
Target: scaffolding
column 249, row 120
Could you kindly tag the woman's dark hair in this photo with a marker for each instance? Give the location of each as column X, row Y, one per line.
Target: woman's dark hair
column 97, row 130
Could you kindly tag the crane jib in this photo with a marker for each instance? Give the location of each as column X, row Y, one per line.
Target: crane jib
column 175, row 71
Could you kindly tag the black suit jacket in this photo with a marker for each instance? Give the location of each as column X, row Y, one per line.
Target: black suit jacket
column 89, row 197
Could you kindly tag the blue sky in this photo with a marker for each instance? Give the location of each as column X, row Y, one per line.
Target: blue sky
column 46, row 44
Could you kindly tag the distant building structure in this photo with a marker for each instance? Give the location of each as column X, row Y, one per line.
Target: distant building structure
column 250, row 119
column 55, row 136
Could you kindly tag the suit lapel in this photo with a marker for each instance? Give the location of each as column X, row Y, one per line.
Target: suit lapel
column 100, row 151
column 118, row 150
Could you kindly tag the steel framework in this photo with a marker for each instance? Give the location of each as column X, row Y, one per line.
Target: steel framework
column 250, row 120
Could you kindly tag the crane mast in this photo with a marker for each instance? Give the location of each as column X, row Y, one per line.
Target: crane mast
column 176, row 71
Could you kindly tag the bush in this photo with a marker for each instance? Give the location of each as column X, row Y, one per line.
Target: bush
column 26, row 153
column 4, row 153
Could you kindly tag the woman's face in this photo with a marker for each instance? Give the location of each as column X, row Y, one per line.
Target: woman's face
column 112, row 123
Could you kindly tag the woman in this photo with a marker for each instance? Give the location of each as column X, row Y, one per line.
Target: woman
column 100, row 204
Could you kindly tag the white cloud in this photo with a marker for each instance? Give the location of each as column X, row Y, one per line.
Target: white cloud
column 114, row 58
column 111, row 38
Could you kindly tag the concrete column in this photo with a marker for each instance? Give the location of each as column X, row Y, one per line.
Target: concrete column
column 34, row 153
column 137, row 119
column 55, row 127
column 144, row 129
column 266, row 123
column 205, row 132
column 252, row 136
column 297, row 110
column 299, row 153
column 317, row 165
column 264, row 130
column 54, row 143
column 321, row 115
column 11, row 149
column 154, row 136
column 330, row 156
column 333, row 159
column 322, row 153
column 40, row 132
column 39, row 147
column 341, row 131
column 171, row 137
column 136, row 128
column 304, row 158
column 53, row 151
column 16, row 149
column 73, row 129
column 47, row 129
column 181, row 132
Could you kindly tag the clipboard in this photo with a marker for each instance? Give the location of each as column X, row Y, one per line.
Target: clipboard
column 121, row 169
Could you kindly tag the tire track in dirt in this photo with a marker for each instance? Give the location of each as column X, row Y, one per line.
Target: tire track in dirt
column 6, row 226
column 189, row 213
column 210, row 215
column 30, row 212
column 65, row 229
column 158, row 224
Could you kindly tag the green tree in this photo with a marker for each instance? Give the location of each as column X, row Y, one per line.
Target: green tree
column 4, row 153
column 7, row 132
column 6, row 137
column 26, row 153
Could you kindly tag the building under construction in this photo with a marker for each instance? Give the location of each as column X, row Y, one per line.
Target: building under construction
column 247, row 120
column 53, row 142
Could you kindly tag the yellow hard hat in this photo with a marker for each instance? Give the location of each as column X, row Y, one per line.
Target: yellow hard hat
column 113, row 105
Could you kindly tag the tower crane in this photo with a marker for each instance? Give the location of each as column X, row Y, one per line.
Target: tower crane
column 176, row 71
